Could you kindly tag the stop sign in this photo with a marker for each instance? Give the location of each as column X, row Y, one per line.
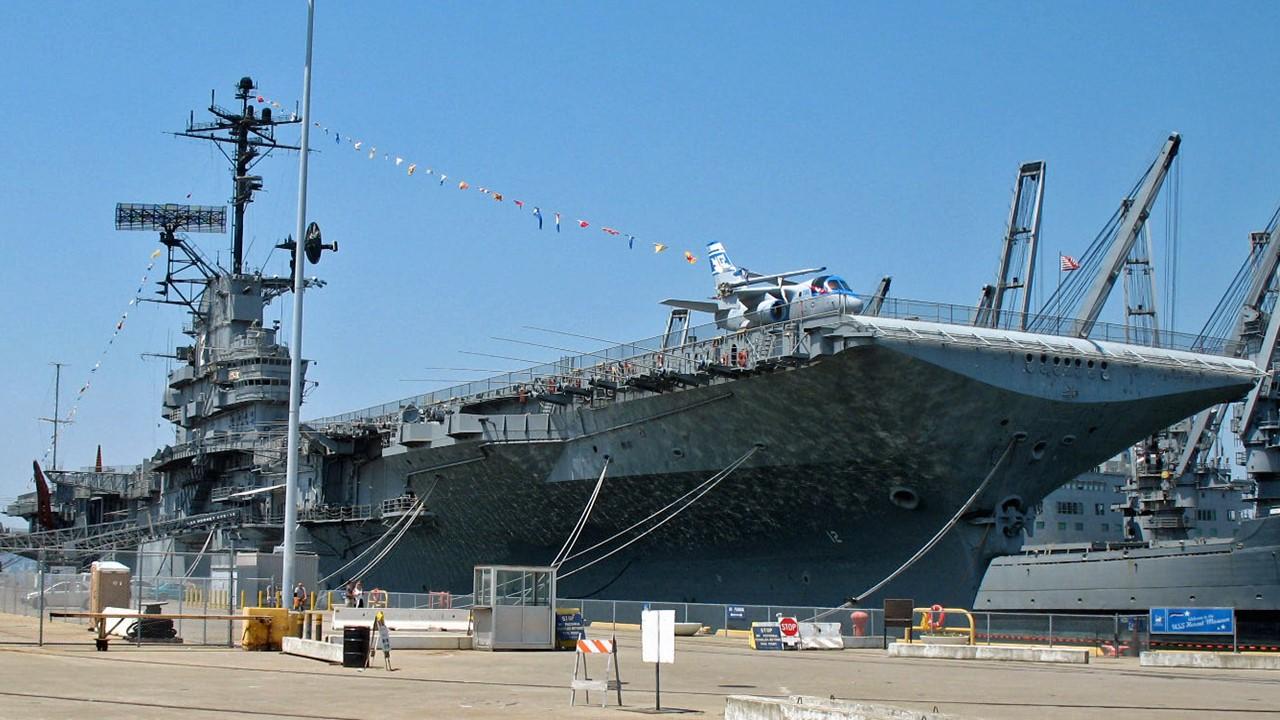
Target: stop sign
column 790, row 628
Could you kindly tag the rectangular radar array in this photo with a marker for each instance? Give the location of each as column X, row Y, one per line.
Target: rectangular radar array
column 188, row 218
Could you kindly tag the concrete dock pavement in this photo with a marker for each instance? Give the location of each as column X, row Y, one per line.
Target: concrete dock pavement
column 74, row 681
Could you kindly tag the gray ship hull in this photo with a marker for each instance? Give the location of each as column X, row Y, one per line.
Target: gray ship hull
column 1240, row 572
column 863, row 455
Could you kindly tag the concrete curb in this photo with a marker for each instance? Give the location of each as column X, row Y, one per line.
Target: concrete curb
column 802, row 707
column 1077, row 656
column 1224, row 661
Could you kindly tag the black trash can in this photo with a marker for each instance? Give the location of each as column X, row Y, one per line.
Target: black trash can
column 355, row 646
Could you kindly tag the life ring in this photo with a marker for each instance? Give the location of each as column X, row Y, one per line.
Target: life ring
column 742, row 358
column 935, row 617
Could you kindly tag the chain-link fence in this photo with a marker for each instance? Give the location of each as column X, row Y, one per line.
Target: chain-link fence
column 190, row 595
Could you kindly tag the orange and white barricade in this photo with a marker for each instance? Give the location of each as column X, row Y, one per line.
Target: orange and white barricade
column 582, row 678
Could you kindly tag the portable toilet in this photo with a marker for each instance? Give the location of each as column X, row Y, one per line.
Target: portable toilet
column 108, row 585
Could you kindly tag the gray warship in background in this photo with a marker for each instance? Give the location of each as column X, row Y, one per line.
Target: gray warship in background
column 798, row 448
column 1168, row 563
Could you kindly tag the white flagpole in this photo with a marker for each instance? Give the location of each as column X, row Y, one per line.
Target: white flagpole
column 295, row 347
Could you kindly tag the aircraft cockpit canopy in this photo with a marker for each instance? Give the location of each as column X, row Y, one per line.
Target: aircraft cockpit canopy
column 830, row 285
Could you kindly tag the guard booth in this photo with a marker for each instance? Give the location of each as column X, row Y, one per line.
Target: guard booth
column 514, row 607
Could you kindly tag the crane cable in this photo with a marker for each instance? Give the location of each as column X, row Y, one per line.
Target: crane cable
column 707, row 485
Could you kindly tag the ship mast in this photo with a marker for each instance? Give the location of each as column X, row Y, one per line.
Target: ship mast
column 56, row 420
column 251, row 136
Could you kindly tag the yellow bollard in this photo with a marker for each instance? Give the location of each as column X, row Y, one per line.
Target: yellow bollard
column 328, row 600
column 312, row 601
column 241, row 598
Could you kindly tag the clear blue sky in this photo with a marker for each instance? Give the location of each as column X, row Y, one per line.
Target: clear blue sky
column 872, row 138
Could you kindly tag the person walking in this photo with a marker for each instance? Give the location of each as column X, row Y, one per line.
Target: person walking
column 357, row 593
column 271, row 593
column 349, row 593
column 299, row 597
column 382, row 636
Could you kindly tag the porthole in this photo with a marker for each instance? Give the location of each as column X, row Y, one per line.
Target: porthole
column 1055, row 359
column 1089, row 364
column 677, row 452
column 1068, row 440
column 1004, row 422
column 1037, row 450
column 1030, row 357
column 1077, row 362
column 1104, row 364
column 1044, row 358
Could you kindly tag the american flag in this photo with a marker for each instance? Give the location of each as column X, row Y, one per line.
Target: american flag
column 1068, row 263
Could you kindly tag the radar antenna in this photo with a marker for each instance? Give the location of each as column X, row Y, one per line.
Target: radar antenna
column 252, row 138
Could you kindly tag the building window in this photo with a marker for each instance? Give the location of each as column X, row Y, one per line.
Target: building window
column 1099, row 509
column 1070, row 508
column 1231, row 514
column 1062, row 526
column 1039, row 524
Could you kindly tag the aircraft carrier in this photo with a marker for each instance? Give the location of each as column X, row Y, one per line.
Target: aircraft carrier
column 798, row 448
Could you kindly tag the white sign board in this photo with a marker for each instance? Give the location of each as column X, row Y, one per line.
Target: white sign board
column 658, row 630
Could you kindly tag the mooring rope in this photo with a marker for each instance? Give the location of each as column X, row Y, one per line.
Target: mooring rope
column 413, row 513
column 713, row 480
column 932, row 541
column 574, row 534
column 422, row 505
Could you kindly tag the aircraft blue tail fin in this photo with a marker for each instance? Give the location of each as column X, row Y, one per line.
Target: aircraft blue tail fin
column 722, row 268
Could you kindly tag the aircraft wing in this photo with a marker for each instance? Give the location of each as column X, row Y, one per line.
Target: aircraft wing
column 754, row 279
column 695, row 305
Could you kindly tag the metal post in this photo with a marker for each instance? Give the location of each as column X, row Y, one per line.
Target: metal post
column 231, row 595
column 615, row 614
column 295, row 346
column 137, row 583
column 657, row 686
column 40, row 589
column 1050, row 630
column 726, row 620
column 988, row 628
